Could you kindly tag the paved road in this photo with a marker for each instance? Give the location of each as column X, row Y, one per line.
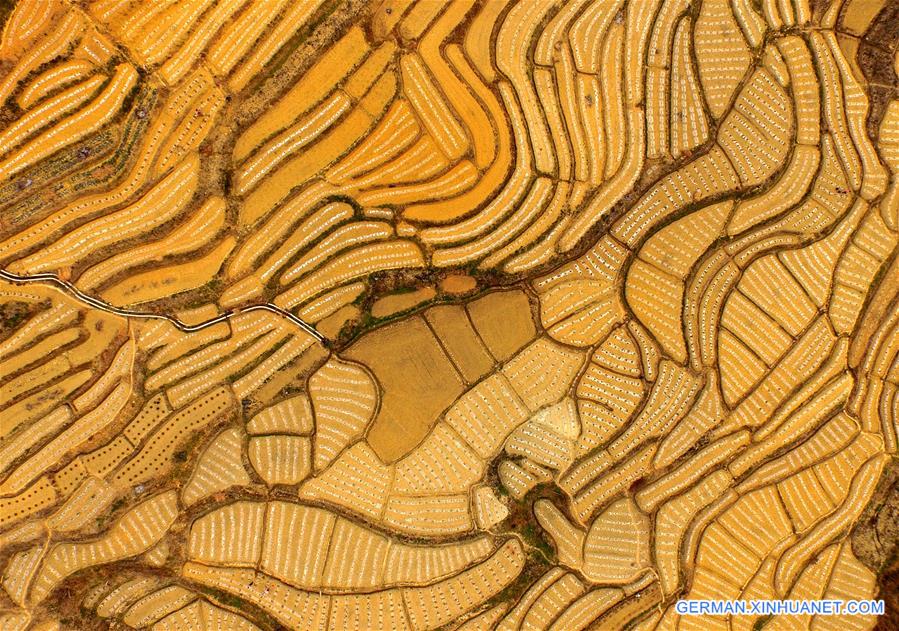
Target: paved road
column 128, row 313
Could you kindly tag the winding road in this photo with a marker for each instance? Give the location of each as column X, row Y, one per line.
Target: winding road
column 128, row 313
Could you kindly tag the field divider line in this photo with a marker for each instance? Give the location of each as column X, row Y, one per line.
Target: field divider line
column 96, row 303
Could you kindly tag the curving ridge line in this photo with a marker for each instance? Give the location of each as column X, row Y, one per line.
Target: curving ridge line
column 128, row 313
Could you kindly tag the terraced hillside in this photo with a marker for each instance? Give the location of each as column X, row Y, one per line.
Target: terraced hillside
column 463, row 314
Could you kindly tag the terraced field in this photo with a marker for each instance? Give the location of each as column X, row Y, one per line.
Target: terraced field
column 464, row 314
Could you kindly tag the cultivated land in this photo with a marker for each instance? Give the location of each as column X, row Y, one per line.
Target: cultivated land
column 412, row 314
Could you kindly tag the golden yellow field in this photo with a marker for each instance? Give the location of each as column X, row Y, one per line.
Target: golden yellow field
column 447, row 314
